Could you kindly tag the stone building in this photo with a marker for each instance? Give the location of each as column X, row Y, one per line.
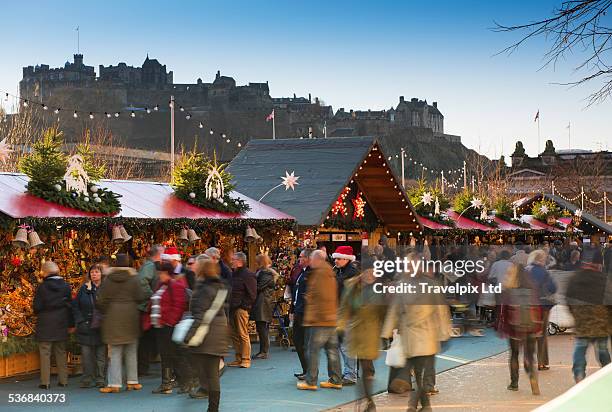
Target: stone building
column 579, row 176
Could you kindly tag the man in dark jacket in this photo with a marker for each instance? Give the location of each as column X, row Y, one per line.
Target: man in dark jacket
column 298, row 291
column 586, row 299
column 147, row 275
column 54, row 318
column 244, row 293
column 345, row 269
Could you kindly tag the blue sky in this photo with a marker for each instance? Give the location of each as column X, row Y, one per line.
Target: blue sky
column 351, row 54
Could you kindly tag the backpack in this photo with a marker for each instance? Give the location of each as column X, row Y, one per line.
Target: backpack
column 524, row 314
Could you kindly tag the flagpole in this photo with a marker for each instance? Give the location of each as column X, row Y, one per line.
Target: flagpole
column 171, row 138
column 538, row 132
column 569, row 135
column 273, row 125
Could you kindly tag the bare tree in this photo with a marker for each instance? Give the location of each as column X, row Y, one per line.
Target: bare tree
column 576, row 27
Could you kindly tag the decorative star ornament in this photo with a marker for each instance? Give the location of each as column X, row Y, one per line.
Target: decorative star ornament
column 290, row 180
column 5, row 151
column 476, row 203
column 544, row 209
column 578, row 213
column 427, row 198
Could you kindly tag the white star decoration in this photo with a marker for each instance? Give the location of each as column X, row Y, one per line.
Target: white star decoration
column 544, row 209
column 578, row 213
column 4, row 151
column 427, row 198
column 476, row 203
column 290, row 180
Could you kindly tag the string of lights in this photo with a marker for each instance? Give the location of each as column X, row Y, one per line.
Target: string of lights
column 426, row 168
column 111, row 114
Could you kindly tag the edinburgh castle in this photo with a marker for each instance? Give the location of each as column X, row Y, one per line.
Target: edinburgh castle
column 231, row 112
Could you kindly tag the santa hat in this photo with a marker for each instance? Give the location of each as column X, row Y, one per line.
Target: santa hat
column 344, row 252
column 171, row 253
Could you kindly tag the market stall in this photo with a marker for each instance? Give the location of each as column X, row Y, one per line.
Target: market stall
column 33, row 230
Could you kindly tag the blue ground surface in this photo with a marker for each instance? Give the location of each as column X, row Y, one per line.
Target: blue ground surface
column 267, row 386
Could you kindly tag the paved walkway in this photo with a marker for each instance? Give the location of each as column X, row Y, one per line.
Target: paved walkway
column 267, row 386
column 481, row 385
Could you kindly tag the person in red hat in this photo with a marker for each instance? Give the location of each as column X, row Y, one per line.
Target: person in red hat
column 345, row 268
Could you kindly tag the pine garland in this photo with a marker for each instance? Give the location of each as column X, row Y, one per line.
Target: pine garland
column 190, row 184
column 46, row 167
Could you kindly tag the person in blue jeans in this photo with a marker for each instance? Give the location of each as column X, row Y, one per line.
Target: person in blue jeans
column 321, row 320
column 586, row 298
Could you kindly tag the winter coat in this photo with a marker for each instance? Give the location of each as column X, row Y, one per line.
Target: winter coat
column 544, row 284
column 586, row 297
column 173, row 302
column 423, row 321
column 53, row 310
column 298, row 291
column 321, row 298
column 244, row 289
column 361, row 317
column 118, row 300
column 148, row 278
column 264, row 303
column 82, row 309
column 343, row 274
column 217, row 340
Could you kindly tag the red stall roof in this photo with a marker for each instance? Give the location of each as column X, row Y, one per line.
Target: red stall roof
column 145, row 200
column 537, row 225
column 503, row 225
column 463, row 222
column 431, row 224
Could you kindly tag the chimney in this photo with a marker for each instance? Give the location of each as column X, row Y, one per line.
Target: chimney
column 309, row 98
column 435, row 104
column 294, row 96
column 401, row 99
column 414, row 100
column 218, row 75
column 316, row 100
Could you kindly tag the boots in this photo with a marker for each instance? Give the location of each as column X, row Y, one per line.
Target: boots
column 166, row 386
column 214, row 398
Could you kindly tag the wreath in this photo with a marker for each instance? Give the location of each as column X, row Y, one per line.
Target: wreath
column 205, row 183
column 68, row 181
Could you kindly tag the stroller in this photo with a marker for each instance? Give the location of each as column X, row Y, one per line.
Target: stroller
column 283, row 333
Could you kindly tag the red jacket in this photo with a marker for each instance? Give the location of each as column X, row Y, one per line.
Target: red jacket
column 173, row 303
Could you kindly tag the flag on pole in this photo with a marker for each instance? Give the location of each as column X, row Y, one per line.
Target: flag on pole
column 270, row 116
column 537, row 116
column 568, row 126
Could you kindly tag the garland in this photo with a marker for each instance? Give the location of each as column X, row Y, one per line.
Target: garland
column 544, row 209
column 423, row 199
column 66, row 181
column 206, row 184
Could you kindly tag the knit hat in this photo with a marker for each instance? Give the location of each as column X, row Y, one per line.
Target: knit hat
column 49, row 268
column 171, row 253
column 344, row 252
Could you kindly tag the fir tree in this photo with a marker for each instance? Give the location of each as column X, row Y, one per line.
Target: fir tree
column 46, row 165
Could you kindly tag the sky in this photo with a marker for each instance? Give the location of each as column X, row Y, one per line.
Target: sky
column 351, row 54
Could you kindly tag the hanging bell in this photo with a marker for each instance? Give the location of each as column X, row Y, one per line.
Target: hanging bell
column 192, row 236
column 259, row 239
column 34, row 240
column 250, row 235
column 21, row 238
column 124, row 234
column 183, row 235
column 117, row 236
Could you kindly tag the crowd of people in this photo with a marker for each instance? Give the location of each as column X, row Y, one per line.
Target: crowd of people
column 191, row 315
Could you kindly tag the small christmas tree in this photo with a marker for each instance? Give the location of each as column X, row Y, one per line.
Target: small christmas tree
column 46, row 165
column 205, row 183
column 95, row 170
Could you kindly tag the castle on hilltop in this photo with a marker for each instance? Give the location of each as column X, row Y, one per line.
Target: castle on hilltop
column 222, row 105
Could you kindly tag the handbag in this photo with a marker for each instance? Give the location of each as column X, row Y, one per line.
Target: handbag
column 202, row 330
column 395, row 355
column 181, row 329
column 96, row 316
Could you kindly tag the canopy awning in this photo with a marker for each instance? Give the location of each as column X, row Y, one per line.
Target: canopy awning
column 503, row 225
column 144, row 200
column 430, row 224
column 538, row 225
column 462, row 222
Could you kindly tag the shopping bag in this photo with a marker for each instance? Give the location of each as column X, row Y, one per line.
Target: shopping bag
column 395, row 354
column 180, row 330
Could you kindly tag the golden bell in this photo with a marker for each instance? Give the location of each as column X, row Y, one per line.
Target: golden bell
column 117, row 236
column 21, row 238
column 183, row 235
column 34, row 239
column 124, row 234
column 192, row 236
column 250, row 235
